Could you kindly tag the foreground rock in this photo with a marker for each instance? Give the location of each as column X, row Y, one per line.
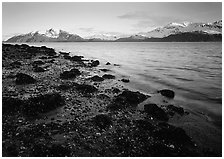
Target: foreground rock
column 108, row 76
column 70, row 74
column 22, row 78
column 103, row 121
column 86, row 89
column 125, row 80
column 97, row 78
column 126, row 99
column 154, row 111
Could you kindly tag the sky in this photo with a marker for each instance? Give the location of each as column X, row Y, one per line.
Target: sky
column 91, row 18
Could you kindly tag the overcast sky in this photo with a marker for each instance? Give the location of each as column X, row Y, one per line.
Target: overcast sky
column 93, row 18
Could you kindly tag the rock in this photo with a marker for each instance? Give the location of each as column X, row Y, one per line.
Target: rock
column 116, row 65
column 43, row 57
column 108, row 76
column 15, row 64
column 115, row 90
column 104, row 70
column 11, row 105
column 103, row 121
column 76, row 58
column 67, row 57
column 108, row 63
column 84, row 88
column 156, row 112
column 39, row 69
column 63, row 53
column 38, row 62
column 125, row 80
column 70, row 74
column 22, row 78
column 95, row 63
column 126, row 99
column 178, row 110
column 144, row 125
column 97, row 78
column 50, row 61
column 42, row 103
column 167, row 93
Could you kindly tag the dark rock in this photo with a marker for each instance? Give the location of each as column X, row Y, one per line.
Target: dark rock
column 64, row 87
column 126, row 99
column 156, row 112
column 108, row 76
column 95, row 63
column 116, row 65
column 67, row 57
column 115, row 90
column 50, row 61
column 104, row 70
column 38, row 62
column 178, row 110
column 76, row 58
column 43, row 57
column 22, row 78
column 167, row 93
column 39, row 69
column 84, row 88
column 63, row 53
column 97, row 78
column 42, row 103
column 144, row 125
column 15, row 64
column 103, row 121
column 11, row 105
column 125, row 80
column 70, row 74
column 103, row 96
column 108, row 63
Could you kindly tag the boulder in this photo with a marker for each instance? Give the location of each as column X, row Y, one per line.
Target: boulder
column 85, row 89
column 104, row 70
column 178, row 110
column 156, row 112
column 70, row 74
column 167, row 93
column 76, row 58
column 108, row 76
column 95, row 63
column 125, row 80
column 39, row 69
column 22, row 78
column 103, row 121
column 63, row 53
column 108, row 63
column 38, row 62
column 97, row 78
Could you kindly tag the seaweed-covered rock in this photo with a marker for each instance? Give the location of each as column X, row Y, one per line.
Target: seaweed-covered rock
column 84, row 88
column 125, row 80
column 70, row 74
column 126, row 99
column 167, row 93
column 108, row 76
column 97, row 78
column 103, row 121
column 178, row 110
column 156, row 112
column 22, row 78
column 42, row 103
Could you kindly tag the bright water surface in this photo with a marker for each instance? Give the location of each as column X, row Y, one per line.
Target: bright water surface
column 192, row 70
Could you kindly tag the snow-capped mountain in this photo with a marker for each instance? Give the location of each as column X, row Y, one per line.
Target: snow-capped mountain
column 107, row 37
column 174, row 28
column 50, row 35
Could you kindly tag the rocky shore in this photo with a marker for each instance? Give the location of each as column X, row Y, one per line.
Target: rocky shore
column 57, row 105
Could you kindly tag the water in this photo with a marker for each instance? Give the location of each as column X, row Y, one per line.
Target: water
column 192, row 70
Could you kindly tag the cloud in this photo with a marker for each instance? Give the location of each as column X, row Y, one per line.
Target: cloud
column 87, row 29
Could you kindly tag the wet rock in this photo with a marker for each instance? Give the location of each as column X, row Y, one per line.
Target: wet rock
column 108, row 76
column 11, row 105
column 125, row 80
column 178, row 110
column 85, row 89
column 117, row 65
column 115, row 90
column 42, row 103
column 38, row 62
column 126, row 99
column 104, row 70
column 76, row 58
column 22, row 78
column 67, row 57
column 63, row 53
column 103, row 121
column 70, row 74
column 95, row 63
column 167, row 93
column 43, row 57
column 97, row 78
column 108, row 63
column 39, row 69
column 156, row 112
column 15, row 64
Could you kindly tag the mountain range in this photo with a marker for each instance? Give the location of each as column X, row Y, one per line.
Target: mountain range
column 186, row 31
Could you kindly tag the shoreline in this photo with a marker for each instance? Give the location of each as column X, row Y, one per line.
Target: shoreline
column 90, row 116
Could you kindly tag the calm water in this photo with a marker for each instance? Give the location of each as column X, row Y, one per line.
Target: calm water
column 192, row 70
